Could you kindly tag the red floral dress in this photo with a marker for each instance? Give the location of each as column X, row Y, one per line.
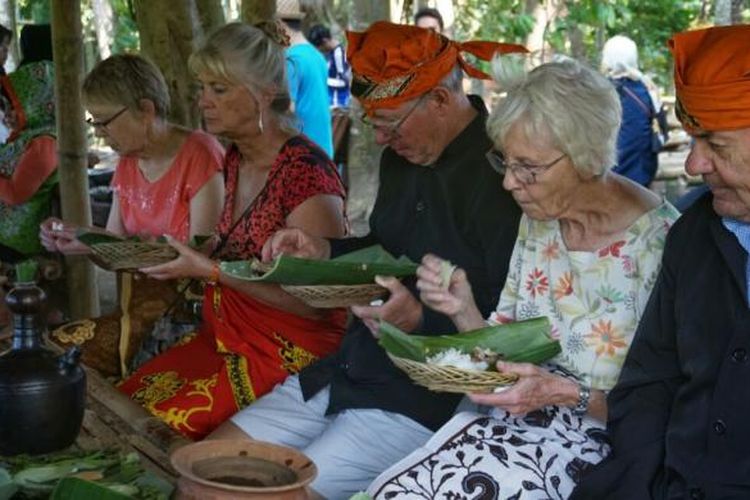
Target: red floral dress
column 244, row 347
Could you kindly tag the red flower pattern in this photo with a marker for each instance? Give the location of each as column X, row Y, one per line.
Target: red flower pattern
column 537, row 282
column 613, row 249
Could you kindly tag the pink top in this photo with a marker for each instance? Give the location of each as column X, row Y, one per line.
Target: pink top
column 163, row 207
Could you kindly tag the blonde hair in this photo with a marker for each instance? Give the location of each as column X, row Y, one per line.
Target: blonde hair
column 570, row 104
column 125, row 79
column 252, row 56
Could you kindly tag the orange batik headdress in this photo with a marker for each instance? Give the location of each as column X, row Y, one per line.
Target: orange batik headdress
column 712, row 77
column 394, row 63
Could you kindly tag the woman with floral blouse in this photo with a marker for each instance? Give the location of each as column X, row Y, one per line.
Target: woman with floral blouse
column 587, row 256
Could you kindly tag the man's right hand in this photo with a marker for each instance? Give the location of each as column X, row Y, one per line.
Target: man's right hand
column 297, row 243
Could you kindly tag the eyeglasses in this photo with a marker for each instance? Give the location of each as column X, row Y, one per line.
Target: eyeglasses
column 103, row 124
column 524, row 172
column 390, row 131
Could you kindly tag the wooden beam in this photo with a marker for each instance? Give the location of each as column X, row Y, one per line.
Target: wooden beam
column 254, row 11
column 67, row 45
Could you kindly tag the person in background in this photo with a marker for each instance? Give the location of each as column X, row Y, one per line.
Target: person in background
column 678, row 416
column 167, row 181
column 354, row 413
column 339, row 73
column 28, row 162
column 35, row 43
column 253, row 335
column 307, row 74
column 637, row 153
column 429, row 18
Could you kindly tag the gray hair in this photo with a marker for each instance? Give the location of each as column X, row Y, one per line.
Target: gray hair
column 250, row 56
column 566, row 102
column 453, row 81
column 125, row 79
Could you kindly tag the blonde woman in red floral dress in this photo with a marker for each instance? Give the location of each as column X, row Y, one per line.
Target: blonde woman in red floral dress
column 253, row 335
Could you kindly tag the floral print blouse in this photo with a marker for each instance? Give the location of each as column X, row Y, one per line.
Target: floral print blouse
column 593, row 300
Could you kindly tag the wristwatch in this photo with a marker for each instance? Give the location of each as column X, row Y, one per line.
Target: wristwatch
column 584, row 395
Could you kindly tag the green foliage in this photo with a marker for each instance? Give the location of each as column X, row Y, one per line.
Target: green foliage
column 36, row 11
column 650, row 23
column 499, row 20
column 126, row 37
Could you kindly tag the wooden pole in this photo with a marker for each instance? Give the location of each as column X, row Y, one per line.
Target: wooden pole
column 254, row 11
column 67, row 44
column 169, row 32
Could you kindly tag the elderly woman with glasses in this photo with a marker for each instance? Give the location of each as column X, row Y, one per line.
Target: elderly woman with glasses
column 587, row 256
column 167, row 181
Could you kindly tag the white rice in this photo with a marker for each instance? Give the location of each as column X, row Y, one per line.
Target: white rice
column 457, row 359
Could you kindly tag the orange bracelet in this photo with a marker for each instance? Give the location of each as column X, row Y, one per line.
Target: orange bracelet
column 213, row 278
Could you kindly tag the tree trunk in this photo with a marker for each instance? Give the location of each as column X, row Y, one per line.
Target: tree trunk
column 231, row 10
column 104, row 26
column 170, row 32
column 723, row 12
column 577, row 45
column 211, row 14
column 364, row 154
column 737, row 6
column 8, row 19
column 254, row 11
column 67, row 42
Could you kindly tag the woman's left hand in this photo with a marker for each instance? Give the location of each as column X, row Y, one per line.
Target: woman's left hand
column 535, row 389
column 188, row 264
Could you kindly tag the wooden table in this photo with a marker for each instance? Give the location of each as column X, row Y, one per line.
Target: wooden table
column 112, row 420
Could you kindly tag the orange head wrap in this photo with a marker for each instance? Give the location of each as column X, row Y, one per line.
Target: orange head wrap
column 712, row 77
column 393, row 63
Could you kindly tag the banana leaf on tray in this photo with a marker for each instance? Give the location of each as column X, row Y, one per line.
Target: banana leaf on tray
column 524, row 341
column 355, row 268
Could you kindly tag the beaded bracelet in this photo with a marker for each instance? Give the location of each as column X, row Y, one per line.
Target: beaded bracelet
column 213, row 278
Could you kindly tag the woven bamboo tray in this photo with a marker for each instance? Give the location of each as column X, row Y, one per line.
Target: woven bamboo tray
column 327, row 296
column 450, row 379
column 131, row 255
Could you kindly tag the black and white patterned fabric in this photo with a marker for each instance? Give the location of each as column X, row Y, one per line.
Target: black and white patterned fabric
column 540, row 455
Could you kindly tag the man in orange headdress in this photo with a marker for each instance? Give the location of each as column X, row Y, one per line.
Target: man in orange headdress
column 678, row 417
column 354, row 413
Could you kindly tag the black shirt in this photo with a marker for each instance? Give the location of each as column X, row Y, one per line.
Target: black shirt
column 678, row 416
column 456, row 209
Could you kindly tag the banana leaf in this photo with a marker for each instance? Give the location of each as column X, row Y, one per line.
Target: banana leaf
column 89, row 237
column 73, row 488
column 96, row 237
column 524, row 341
column 354, row 268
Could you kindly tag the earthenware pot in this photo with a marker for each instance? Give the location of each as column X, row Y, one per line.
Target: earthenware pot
column 242, row 469
column 42, row 395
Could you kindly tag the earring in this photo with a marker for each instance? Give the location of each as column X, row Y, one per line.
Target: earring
column 260, row 121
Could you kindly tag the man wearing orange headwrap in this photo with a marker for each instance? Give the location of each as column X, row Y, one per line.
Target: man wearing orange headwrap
column 678, row 417
column 354, row 413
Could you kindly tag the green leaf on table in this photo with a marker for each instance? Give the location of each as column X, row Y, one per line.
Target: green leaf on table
column 73, row 488
column 7, row 487
column 356, row 268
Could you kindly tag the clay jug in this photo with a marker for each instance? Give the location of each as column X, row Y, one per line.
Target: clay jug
column 42, row 395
